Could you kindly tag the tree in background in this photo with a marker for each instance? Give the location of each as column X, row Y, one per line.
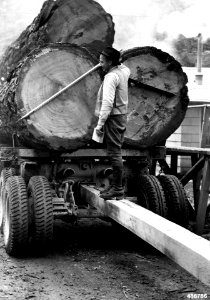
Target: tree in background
column 186, row 51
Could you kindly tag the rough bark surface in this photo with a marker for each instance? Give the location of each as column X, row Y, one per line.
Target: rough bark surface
column 80, row 22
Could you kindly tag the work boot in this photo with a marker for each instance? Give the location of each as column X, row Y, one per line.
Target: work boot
column 106, row 189
column 113, row 193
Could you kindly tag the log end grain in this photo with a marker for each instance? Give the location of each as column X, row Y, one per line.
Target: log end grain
column 67, row 121
column 154, row 115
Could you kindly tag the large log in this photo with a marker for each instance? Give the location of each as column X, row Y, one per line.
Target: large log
column 156, row 107
column 80, row 22
column 64, row 123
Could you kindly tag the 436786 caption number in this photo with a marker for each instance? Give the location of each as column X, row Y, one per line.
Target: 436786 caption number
column 197, row 296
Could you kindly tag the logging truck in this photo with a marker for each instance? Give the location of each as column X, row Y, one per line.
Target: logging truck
column 51, row 168
column 48, row 159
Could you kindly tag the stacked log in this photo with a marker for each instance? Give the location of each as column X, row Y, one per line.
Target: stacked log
column 80, row 22
column 64, row 123
column 158, row 97
column 157, row 91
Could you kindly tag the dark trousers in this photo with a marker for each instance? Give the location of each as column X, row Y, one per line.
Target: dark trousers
column 114, row 130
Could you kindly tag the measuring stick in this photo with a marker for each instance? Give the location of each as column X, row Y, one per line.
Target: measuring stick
column 59, row 92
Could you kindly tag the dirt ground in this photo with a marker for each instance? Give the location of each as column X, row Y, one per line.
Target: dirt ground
column 94, row 260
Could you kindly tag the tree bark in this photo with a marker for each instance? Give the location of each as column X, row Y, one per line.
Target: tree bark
column 157, row 98
column 80, row 22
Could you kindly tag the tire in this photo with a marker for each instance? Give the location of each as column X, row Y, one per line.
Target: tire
column 5, row 174
column 41, row 212
column 176, row 199
column 16, row 216
column 151, row 196
column 207, row 220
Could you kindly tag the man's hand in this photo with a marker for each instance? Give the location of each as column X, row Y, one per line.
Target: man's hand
column 99, row 131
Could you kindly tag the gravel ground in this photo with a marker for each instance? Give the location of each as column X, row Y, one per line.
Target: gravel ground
column 94, row 261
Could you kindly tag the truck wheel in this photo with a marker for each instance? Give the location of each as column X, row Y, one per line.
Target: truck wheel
column 5, row 174
column 16, row 216
column 41, row 212
column 207, row 221
column 176, row 199
column 151, row 196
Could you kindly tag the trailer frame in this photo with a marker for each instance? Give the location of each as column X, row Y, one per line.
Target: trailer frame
column 65, row 169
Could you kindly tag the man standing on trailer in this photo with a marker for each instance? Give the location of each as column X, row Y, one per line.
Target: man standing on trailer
column 111, row 109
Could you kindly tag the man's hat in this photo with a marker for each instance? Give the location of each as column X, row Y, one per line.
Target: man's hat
column 112, row 54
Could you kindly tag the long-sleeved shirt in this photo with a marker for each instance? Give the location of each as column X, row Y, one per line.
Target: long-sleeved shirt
column 113, row 94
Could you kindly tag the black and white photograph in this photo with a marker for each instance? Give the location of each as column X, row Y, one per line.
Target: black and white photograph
column 104, row 149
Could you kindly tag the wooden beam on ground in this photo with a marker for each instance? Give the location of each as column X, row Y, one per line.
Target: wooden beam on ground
column 190, row 251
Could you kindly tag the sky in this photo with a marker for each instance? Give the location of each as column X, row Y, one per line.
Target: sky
column 157, row 22
column 137, row 22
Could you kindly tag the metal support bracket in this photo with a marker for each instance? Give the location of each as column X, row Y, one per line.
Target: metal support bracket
column 72, row 208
